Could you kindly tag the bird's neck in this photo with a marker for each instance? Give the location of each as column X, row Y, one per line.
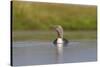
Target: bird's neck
column 59, row 35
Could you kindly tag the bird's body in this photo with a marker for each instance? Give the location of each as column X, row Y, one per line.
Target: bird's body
column 60, row 39
column 59, row 42
column 64, row 42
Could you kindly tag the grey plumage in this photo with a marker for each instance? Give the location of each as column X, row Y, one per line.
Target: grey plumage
column 60, row 33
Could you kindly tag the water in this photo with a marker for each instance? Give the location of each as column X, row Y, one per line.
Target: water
column 38, row 53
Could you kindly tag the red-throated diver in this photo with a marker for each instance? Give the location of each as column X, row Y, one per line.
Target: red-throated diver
column 60, row 39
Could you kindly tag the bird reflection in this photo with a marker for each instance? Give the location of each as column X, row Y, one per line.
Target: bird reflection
column 59, row 54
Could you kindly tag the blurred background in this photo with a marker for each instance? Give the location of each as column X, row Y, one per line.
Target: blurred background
column 35, row 20
column 33, row 33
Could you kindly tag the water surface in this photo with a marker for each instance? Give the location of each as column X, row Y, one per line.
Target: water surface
column 38, row 53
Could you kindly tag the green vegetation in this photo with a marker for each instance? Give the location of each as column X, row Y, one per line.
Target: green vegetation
column 34, row 21
column 50, row 36
column 42, row 16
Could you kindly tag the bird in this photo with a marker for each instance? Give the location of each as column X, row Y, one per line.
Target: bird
column 60, row 39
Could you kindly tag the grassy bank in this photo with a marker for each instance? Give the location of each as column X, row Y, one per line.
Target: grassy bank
column 50, row 36
column 42, row 16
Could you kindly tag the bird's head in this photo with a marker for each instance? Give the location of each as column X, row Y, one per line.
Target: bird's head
column 59, row 30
